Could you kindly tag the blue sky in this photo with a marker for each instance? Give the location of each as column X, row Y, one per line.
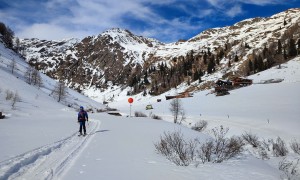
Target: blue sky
column 165, row 20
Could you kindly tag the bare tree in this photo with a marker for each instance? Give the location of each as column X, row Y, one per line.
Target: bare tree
column 32, row 76
column 28, row 74
column 36, row 78
column 16, row 98
column 177, row 110
column 60, row 91
column 13, row 65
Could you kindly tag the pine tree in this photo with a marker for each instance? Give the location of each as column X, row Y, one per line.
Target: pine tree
column 236, row 58
column 279, row 49
column 208, row 51
column 265, row 51
column 298, row 45
column 260, row 63
column 205, row 58
column 200, row 80
column 146, row 81
column 292, row 51
column 7, row 35
column 284, row 54
column 250, row 65
column 217, row 61
column 221, row 54
column 255, row 64
column 211, row 65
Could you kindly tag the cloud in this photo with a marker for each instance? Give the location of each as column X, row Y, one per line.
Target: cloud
column 50, row 31
column 232, row 8
column 234, row 11
column 262, row 2
column 161, row 19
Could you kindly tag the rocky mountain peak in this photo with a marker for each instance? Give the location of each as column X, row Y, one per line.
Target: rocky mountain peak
column 119, row 57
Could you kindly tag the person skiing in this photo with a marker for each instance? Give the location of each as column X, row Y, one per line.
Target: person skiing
column 82, row 117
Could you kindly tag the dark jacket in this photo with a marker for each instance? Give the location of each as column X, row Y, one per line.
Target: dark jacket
column 83, row 116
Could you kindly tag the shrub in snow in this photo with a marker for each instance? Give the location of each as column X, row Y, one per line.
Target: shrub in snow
column 139, row 114
column 16, row 98
column 183, row 153
column 295, row 146
column 9, row 95
column 200, row 126
column 219, row 136
column 229, row 148
column 252, row 139
column 279, row 148
column 263, row 153
column 266, row 144
column 153, row 116
column 205, row 152
column 289, row 169
column 220, row 148
column 176, row 149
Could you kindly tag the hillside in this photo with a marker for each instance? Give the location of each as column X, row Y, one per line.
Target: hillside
column 119, row 59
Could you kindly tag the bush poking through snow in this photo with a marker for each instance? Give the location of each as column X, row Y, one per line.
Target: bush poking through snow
column 252, row 139
column 200, row 126
column 289, row 168
column 234, row 147
column 9, row 95
column 295, row 146
column 279, row 148
column 205, row 152
column 266, row 144
column 176, row 149
column 153, row 116
column 139, row 114
column 16, row 98
column 263, row 153
column 182, row 153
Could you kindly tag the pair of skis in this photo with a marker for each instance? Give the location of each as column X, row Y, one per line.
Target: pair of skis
column 82, row 135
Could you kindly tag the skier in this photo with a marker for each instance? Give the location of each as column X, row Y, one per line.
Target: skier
column 82, row 117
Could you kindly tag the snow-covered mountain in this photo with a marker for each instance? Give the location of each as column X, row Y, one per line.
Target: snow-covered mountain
column 119, row 59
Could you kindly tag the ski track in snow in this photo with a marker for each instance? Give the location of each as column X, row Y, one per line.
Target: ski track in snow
column 49, row 161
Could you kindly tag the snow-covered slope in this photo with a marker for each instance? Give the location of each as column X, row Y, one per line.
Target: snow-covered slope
column 249, row 108
column 36, row 116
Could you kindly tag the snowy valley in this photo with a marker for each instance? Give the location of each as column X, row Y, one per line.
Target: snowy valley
column 39, row 135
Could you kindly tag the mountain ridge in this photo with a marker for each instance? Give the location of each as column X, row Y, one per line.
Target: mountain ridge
column 127, row 60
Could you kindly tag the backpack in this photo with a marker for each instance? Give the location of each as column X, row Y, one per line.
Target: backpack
column 82, row 116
